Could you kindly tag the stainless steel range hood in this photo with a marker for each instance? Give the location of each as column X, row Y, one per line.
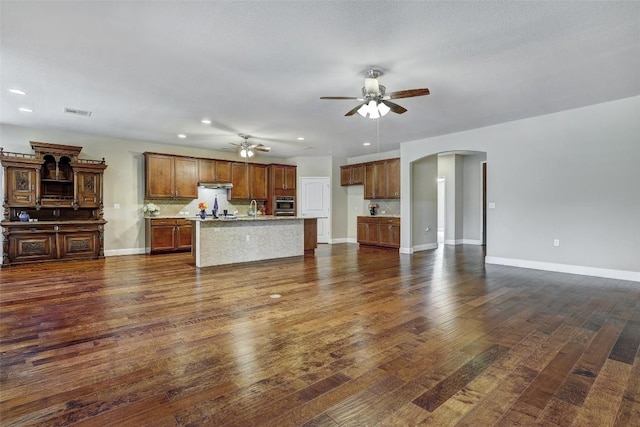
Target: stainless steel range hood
column 225, row 185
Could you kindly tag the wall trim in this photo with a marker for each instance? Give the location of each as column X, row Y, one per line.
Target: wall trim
column 454, row 242
column 425, row 247
column 406, row 250
column 343, row 240
column 472, row 242
column 130, row 251
column 633, row 276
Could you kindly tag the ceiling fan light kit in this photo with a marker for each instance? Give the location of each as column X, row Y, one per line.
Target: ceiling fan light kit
column 375, row 101
column 373, row 109
column 246, row 152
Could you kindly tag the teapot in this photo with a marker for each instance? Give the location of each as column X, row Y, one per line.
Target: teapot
column 24, row 217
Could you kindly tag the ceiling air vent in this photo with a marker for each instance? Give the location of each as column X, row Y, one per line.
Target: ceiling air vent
column 77, row 112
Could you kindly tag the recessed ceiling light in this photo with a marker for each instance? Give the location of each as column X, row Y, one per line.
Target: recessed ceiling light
column 301, row 138
column 182, row 136
column 366, row 144
column 17, row 91
column 205, row 121
column 25, row 110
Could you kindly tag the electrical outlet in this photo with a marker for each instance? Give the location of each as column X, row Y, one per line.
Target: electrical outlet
column 116, row 206
column 248, row 238
column 556, row 242
column 383, row 212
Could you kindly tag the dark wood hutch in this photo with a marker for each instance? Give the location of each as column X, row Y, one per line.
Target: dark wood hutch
column 63, row 196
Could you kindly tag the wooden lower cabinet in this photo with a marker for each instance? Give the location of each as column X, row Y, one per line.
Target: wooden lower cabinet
column 37, row 242
column 389, row 232
column 310, row 234
column 379, row 231
column 168, row 235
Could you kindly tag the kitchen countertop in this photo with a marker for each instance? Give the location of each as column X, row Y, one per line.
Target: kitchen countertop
column 247, row 218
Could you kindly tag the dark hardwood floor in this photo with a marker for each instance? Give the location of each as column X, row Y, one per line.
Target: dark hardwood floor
column 359, row 337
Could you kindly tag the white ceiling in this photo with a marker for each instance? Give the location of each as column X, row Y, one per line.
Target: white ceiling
column 149, row 70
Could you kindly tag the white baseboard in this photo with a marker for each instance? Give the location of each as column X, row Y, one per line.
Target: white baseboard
column 453, row 242
column 406, row 250
column 425, row 247
column 471, row 242
column 130, row 251
column 343, row 240
column 633, row 276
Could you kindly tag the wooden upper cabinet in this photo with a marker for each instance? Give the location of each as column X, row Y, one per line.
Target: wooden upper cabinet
column 186, row 173
column 210, row 170
column 171, row 177
column 160, row 176
column 284, row 180
column 352, row 174
column 223, row 171
column 21, row 186
column 259, row 181
column 369, row 181
column 249, row 181
column 393, row 178
column 240, row 181
column 382, row 179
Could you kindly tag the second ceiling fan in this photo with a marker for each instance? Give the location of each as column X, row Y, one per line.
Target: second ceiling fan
column 247, row 149
column 375, row 101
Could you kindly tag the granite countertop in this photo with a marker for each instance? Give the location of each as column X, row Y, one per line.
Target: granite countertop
column 245, row 218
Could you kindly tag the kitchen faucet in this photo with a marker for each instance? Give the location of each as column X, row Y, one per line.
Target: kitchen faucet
column 255, row 205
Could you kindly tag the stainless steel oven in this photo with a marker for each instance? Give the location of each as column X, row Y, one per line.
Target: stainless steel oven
column 284, row 206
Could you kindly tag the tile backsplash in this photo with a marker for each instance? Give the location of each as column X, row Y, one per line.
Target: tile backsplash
column 389, row 207
column 208, row 195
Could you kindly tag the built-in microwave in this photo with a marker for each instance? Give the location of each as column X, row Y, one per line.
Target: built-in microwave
column 284, row 206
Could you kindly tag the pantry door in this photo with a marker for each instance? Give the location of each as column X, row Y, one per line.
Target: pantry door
column 315, row 201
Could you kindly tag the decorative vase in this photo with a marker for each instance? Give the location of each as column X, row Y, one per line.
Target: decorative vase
column 203, row 214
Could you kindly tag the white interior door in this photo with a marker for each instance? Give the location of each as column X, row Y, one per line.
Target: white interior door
column 315, row 201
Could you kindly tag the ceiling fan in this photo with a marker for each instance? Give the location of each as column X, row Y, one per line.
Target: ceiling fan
column 375, row 100
column 247, row 149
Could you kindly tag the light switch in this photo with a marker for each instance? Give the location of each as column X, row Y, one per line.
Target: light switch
column 492, row 205
column 116, row 206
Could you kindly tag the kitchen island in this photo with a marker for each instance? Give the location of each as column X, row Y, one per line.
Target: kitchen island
column 245, row 239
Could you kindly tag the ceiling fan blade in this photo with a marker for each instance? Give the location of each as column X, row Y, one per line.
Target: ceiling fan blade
column 394, row 107
column 408, row 93
column 262, row 148
column 355, row 110
column 339, row 97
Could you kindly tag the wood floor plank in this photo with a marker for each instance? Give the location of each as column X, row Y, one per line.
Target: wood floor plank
column 360, row 336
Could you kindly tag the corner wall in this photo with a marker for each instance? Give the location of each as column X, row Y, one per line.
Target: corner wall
column 572, row 176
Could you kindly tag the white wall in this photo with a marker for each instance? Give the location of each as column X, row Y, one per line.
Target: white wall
column 472, row 200
column 123, row 178
column 572, row 176
column 424, row 176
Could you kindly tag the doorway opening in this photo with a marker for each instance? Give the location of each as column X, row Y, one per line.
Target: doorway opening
column 441, row 210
